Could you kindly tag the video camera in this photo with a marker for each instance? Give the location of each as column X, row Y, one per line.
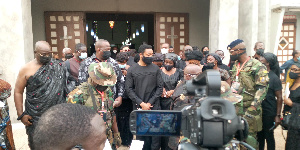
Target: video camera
column 209, row 123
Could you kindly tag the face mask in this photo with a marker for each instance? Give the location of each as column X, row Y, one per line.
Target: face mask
column 115, row 51
column 210, row 65
column 164, row 51
column 293, row 75
column 106, row 55
column 179, row 58
column 44, row 59
column 260, row 51
column 205, row 52
column 68, row 56
column 101, row 88
column 168, row 67
column 236, row 57
column 147, row 60
column 122, row 66
column 83, row 56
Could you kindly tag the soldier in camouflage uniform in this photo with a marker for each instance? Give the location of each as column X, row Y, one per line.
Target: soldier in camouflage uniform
column 102, row 75
column 250, row 79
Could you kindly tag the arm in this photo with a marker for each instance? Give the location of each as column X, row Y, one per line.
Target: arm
column 288, row 101
column 261, row 84
column 279, row 106
column 120, row 85
column 159, row 88
column 83, row 74
column 284, row 66
column 18, row 96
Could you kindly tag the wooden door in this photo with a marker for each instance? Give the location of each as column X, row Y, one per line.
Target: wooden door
column 65, row 29
column 287, row 41
column 172, row 28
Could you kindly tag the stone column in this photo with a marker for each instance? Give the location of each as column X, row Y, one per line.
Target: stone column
column 223, row 25
column 263, row 24
column 248, row 19
column 16, row 42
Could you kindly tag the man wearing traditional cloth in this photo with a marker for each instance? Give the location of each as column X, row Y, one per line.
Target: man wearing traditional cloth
column 6, row 136
column 45, row 84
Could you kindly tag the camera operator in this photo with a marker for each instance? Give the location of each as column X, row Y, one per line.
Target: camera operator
column 250, row 79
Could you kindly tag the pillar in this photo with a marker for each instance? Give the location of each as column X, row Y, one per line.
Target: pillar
column 223, row 25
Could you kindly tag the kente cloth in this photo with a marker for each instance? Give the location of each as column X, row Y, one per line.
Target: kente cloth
column 46, row 88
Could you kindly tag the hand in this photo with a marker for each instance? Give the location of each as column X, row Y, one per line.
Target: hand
column 117, row 139
column 170, row 93
column 145, row 106
column 163, row 93
column 124, row 72
column 25, row 120
column 149, row 105
column 117, row 102
column 277, row 121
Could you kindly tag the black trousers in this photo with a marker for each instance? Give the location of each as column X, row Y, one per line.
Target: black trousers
column 123, row 127
column 266, row 134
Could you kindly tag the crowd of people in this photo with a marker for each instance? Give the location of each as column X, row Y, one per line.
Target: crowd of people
column 146, row 80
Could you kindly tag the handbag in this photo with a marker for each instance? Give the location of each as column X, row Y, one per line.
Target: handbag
column 286, row 119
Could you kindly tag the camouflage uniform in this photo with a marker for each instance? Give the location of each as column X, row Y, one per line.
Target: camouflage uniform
column 253, row 79
column 104, row 75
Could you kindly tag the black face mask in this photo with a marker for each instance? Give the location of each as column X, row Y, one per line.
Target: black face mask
column 236, row 57
column 293, row 75
column 106, row 55
column 168, row 67
column 68, row 56
column 45, row 59
column 210, row 65
column 205, row 52
column 147, row 60
column 101, row 88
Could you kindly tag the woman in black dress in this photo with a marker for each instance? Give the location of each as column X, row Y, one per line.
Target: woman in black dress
column 293, row 105
column 170, row 76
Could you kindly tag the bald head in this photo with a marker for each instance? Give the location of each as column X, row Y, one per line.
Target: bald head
column 187, row 47
column 42, row 46
column 191, row 70
column 100, row 43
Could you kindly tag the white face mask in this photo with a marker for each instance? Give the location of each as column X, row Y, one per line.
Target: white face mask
column 164, row 51
column 115, row 51
column 83, row 56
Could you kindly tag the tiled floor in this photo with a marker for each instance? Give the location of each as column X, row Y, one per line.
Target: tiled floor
column 21, row 143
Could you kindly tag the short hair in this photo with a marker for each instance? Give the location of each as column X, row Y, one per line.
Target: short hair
column 66, row 49
column 64, row 126
column 40, row 44
column 79, row 46
column 143, row 47
column 124, row 46
column 219, row 51
column 122, row 57
column 295, row 52
column 195, row 48
column 203, row 48
column 255, row 46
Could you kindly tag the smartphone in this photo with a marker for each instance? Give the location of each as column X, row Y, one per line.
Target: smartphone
column 155, row 122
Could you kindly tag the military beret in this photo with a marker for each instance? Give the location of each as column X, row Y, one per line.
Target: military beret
column 238, row 43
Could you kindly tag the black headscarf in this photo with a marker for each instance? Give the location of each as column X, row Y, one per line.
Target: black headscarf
column 216, row 56
column 273, row 62
column 172, row 57
column 194, row 55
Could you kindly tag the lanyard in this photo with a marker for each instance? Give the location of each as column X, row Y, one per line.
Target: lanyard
column 240, row 68
column 102, row 98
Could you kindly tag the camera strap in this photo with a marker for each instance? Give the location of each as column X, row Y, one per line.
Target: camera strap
column 93, row 99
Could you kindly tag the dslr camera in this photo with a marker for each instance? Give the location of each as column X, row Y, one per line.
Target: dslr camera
column 210, row 123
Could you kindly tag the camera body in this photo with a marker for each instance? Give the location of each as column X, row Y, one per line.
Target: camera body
column 209, row 123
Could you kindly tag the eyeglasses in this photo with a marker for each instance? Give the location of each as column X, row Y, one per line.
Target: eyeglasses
column 191, row 75
column 294, row 69
column 45, row 54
